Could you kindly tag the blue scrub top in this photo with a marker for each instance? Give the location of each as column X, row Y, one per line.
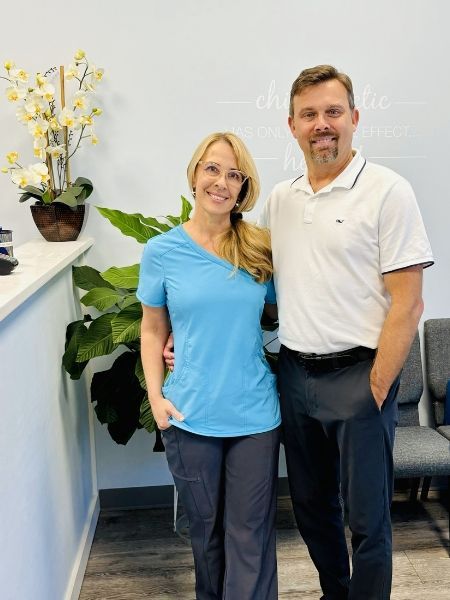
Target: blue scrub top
column 221, row 382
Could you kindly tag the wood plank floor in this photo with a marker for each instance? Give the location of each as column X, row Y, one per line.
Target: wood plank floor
column 136, row 555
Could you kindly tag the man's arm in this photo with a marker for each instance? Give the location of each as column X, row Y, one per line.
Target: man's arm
column 405, row 288
column 154, row 332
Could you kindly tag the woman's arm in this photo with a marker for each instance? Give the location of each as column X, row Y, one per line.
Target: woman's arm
column 154, row 332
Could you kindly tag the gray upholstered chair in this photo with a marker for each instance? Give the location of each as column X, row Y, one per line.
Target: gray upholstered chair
column 437, row 363
column 419, row 451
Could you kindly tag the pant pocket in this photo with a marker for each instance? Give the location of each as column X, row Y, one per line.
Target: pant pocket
column 190, row 484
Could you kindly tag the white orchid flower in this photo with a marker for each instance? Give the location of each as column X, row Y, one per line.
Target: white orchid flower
column 39, row 146
column 94, row 139
column 71, row 71
column 20, row 75
column 86, row 120
column 66, row 118
column 15, row 93
column 24, row 177
column 80, row 100
column 9, row 64
column 23, row 116
column 56, row 151
column 79, row 54
column 35, row 104
column 54, row 125
column 46, row 90
column 41, row 171
column 38, row 127
column 96, row 74
column 12, row 157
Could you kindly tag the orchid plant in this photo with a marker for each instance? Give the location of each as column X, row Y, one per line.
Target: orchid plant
column 57, row 126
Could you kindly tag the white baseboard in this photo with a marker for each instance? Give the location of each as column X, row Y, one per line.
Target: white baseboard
column 76, row 578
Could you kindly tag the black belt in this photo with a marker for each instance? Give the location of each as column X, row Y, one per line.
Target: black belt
column 333, row 361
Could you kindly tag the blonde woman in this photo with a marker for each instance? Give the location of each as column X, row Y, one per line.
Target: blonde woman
column 218, row 410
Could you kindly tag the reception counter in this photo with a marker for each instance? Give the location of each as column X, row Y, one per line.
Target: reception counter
column 49, row 500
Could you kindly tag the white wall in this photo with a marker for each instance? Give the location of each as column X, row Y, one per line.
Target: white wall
column 175, row 71
column 48, row 502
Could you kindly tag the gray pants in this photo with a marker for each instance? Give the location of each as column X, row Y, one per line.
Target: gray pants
column 228, row 488
column 337, row 440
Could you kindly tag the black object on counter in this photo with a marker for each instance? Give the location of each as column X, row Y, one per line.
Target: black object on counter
column 7, row 264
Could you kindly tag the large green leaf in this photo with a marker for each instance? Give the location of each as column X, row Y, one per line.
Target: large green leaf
column 146, row 418
column 68, row 198
column 74, row 335
column 118, row 397
column 98, row 340
column 139, row 371
column 128, row 224
column 163, row 227
column 126, row 325
column 123, row 277
column 186, row 208
column 87, row 187
column 101, row 298
column 88, row 278
column 127, row 300
column 33, row 191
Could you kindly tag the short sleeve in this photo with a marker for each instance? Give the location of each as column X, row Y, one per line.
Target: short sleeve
column 151, row 289
column 271, row 297
column 402, row 237
column 263, row 218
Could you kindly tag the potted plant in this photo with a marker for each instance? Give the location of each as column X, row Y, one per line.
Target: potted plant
column 119, row 393
column 58, row 126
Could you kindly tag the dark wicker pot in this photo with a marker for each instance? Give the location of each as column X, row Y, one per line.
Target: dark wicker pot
column 57, row 222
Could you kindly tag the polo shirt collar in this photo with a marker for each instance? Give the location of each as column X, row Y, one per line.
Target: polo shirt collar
column 346, row 179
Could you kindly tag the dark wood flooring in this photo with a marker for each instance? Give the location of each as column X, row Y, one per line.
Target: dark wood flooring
column 136, row 555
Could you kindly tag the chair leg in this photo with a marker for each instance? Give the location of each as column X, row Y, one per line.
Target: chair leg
column 425, row 488
column 415, row 484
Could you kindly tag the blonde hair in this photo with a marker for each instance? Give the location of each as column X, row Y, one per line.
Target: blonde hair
column 244, row 245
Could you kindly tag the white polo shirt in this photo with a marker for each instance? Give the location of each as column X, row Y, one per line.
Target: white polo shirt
column 331, row 248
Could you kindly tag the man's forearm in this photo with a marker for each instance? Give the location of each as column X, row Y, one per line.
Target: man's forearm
column 394, row 344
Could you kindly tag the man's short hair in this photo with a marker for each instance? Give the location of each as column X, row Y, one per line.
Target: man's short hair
column 316, row 75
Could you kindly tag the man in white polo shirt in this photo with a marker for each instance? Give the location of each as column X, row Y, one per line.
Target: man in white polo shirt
column 349, row 247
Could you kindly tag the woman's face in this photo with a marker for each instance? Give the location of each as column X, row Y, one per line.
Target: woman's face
column 217, row 180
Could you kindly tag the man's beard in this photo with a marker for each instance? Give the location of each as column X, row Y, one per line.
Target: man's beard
column 325, row 156
column 321, row 157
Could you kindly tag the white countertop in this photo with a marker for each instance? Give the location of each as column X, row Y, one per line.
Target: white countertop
column 39, row 261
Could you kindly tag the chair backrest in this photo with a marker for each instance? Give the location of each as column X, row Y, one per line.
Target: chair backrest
column 411, row 387
column 437, row 362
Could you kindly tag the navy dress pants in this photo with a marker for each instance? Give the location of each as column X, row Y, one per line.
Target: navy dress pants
column 228, row 487
column 337, row 441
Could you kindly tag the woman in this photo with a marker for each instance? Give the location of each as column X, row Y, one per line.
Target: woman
column 218, row 411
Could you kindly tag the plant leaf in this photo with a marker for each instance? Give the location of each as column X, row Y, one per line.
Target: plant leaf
column 118, row 397
column 128, row 224
column 26, row 196
column 98, row 340
column 153, row 222
column 74, row 334
column 123, row 277
column 34, row 191
column 128, row 300
column 126, row 325
column 101, row 298
column 139, row 371
column 186, row 208
column 146, row 418
column 67, row 198
column 87, row 186
column 88, row 278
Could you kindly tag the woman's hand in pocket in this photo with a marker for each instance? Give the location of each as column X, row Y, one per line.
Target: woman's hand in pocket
column 162, row 409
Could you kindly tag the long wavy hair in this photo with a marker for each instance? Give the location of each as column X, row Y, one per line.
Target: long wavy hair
column 244, row 245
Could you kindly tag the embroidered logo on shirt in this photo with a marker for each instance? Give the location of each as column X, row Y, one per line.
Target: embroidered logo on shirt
column 339, row 220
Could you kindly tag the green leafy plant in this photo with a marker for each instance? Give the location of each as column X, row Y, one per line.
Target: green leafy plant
column 119, row 393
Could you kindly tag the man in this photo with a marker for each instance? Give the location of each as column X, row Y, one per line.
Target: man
column 349, row 248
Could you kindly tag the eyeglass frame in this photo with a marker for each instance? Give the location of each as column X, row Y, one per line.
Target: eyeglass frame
column 211, row 162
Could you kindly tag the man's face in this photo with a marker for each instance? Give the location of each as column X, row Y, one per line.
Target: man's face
column 323, row 123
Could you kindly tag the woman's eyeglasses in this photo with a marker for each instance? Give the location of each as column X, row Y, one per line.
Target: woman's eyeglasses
column 233, row 177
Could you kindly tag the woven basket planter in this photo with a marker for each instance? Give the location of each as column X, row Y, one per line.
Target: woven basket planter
column 57, row 222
